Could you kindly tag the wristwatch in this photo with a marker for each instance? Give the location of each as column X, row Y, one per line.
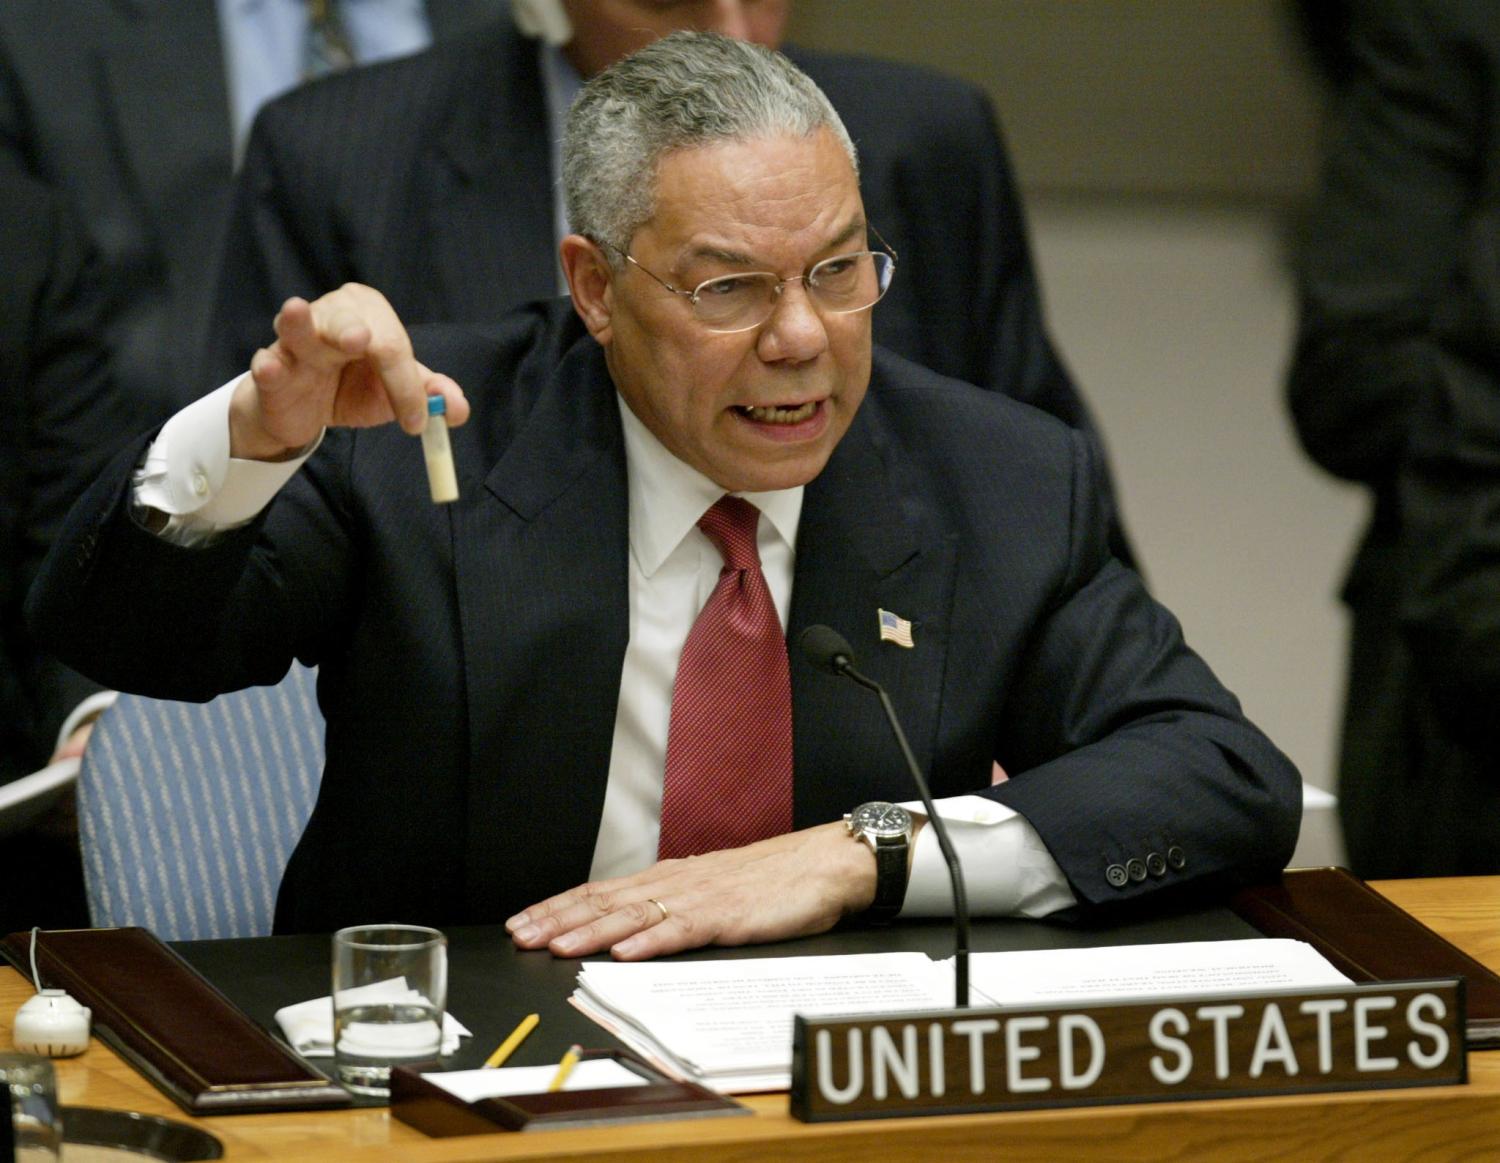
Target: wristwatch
column 887, row 829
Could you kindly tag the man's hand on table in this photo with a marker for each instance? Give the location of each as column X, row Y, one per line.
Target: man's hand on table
column 788, row 886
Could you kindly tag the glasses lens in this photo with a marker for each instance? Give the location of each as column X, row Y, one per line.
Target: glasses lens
column 735, row 301
column 851, row 282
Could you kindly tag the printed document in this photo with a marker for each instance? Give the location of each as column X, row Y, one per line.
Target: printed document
column 728, row 1024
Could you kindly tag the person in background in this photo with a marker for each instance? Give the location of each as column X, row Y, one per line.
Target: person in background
column 134, row 112
column 64, row 422
column 565, row 700
column 1395, row 383
column 437, row 179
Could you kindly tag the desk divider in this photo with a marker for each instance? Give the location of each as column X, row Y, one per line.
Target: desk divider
column 169, row 1022
column 1369, row 938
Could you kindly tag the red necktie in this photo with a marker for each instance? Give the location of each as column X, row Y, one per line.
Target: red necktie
column 729, row 746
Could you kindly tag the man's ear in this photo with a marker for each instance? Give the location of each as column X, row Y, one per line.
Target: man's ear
column 590, row 279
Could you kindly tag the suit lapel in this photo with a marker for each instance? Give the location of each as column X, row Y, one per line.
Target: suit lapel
column 491, row 222
column 540, row 559
column 865, row 544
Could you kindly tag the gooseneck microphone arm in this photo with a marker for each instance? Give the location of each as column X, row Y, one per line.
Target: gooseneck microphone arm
column 827, row 649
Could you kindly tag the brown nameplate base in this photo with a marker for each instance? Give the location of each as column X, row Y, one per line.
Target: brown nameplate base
column 164, row 1018
column 1357, row 1037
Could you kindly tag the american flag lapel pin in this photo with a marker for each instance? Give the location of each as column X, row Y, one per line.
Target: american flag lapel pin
column 894, row 628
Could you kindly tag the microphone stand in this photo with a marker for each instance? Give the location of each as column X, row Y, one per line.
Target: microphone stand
column 828, row 650
column 845, row 666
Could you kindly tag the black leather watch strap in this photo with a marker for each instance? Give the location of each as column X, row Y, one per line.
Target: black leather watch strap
column 890, row 880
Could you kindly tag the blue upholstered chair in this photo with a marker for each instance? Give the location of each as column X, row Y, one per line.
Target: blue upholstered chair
column 188, row 812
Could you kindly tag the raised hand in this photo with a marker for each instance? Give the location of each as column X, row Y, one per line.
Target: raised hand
column 344, row 360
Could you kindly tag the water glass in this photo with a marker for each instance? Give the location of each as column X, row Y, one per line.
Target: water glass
column 32, row 1127
column 390, row 986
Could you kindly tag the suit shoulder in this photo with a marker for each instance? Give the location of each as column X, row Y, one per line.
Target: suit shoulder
column 388, row 99
column 919, row 399
column 864, row 87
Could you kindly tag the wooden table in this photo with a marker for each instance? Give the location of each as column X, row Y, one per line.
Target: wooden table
column 1439, row 1124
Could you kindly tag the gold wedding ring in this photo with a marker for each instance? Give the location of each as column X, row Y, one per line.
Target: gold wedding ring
column 662, row 907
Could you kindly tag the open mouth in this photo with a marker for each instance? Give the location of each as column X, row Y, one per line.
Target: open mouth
column 780, row 413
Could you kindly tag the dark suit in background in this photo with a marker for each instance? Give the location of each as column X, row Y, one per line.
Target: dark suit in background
column 62, row 424
column 470, row 653
column 431, row 179
column 122, row 106
column 1396, row 383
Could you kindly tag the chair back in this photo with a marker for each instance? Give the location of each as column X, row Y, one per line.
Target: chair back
column 188, row 812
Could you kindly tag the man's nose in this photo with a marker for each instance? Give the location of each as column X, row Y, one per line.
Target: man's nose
column 795, row 330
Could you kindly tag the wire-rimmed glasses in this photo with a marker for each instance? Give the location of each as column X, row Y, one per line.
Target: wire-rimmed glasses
column 839, row 285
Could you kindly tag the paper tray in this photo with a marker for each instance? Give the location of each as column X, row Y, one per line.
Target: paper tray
column 441, row 1114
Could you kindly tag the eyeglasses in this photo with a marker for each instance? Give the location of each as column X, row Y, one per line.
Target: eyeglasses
column 839, row 286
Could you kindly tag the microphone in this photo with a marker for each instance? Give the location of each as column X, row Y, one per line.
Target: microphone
column 828, row 650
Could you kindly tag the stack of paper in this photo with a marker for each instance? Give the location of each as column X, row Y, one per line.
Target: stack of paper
column 728, row 1024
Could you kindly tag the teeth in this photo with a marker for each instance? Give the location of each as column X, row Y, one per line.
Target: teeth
column 782, row 415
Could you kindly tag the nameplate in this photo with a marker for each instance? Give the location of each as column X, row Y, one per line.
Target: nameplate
column 1355, row 1037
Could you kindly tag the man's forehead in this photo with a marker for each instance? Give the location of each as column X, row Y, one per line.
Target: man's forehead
column 711, row 197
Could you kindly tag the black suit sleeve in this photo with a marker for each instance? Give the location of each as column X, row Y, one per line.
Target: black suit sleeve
column 1449, row 496
column 1131, row 753
column 1380, row 281
column 66, row 422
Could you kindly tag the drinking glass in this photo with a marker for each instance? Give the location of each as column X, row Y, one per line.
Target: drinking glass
column 32, row 1122
column 390, row 985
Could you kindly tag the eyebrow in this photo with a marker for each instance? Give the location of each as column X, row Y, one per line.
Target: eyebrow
column 739, row 258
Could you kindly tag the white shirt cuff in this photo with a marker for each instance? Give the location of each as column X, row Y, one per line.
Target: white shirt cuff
column 1008, row 871
column 189, row 475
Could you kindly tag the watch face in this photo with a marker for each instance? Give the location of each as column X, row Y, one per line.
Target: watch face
column 880, row 819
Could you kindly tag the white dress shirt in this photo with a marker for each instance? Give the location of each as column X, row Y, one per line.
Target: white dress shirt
column 189, row 475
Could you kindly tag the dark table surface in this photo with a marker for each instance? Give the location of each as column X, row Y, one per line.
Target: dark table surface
column 492, row 985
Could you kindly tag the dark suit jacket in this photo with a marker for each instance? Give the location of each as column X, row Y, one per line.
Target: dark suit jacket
column 470, row 654
column 122, row 106
column 1396, row 384
column 431, row 179
column 62, row 425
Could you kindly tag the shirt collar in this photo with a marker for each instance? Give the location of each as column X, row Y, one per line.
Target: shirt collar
column 668, row 496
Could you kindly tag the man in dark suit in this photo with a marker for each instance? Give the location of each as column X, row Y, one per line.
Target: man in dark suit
column 63, row 424
column 434, row 179
column 124, row 107
column 1395, row 383
column 498, row 673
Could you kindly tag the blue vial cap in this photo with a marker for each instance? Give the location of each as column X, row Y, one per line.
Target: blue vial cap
column 437, row 405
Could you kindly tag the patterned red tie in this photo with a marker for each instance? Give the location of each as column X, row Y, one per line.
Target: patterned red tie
column 729, row 746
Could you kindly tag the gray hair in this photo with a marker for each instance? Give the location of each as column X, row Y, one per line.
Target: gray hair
column 686, row 90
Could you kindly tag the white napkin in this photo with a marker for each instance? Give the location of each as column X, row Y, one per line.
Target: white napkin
column 308, row 1025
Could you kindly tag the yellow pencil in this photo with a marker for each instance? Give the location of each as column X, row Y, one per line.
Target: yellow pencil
column 565, row 1067
column 517, row 1036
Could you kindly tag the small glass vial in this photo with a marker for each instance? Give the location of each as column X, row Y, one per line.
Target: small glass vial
column 438, row 452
